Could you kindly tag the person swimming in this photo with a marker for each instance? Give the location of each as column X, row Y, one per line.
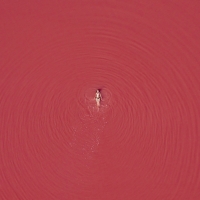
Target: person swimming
column 98, row 97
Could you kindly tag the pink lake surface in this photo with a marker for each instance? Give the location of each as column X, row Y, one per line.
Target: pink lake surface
column 144, row 141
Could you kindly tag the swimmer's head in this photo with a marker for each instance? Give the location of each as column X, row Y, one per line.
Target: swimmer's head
column 97, row 91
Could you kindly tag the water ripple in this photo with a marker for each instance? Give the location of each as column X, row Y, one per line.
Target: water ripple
column 143, row 141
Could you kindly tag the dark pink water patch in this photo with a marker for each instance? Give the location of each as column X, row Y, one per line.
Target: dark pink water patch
column 143, row 143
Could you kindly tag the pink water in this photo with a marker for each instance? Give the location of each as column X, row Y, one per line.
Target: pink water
column 144, row 141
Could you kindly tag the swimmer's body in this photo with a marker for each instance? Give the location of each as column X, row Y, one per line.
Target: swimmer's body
column 98, row 97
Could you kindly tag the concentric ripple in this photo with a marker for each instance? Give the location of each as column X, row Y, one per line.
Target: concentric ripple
column 143, row 141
